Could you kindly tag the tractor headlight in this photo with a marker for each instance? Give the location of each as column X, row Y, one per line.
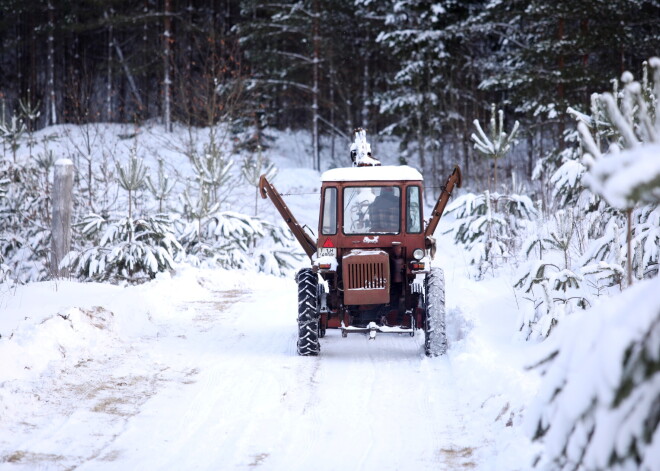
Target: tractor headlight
column 418, row 254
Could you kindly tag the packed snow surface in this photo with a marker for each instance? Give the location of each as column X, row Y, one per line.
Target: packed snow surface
column 199, row 370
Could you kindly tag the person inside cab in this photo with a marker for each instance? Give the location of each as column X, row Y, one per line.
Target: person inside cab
column 384, row 211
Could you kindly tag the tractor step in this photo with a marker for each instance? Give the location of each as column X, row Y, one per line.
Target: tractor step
column 372, row 329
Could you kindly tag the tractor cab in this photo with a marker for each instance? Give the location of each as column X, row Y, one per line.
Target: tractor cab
column 373, row 212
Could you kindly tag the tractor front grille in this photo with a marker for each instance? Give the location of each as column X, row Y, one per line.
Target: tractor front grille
column 366, row 277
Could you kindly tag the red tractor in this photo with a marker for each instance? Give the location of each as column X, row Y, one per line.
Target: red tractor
column 370, row 268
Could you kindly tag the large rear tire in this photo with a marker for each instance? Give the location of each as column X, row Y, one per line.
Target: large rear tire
column 435, row 335
column 308, row 313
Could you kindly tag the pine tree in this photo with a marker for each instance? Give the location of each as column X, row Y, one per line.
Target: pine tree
column 621, row 175
column 125, row 248
column 25, row 219
column 161, row 188
column 598, row 407
column 497, row 143
column 253, row 168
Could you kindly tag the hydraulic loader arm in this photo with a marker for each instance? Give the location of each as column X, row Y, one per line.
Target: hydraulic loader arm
column 267, row 189
column 454, row 179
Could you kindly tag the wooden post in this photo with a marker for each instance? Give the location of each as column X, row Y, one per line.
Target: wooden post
column 62, row 209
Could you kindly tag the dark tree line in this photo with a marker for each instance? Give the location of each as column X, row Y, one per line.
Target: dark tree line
column 418, row 69
column 114, row 60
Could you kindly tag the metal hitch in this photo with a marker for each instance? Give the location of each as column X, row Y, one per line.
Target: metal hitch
column 372, row 329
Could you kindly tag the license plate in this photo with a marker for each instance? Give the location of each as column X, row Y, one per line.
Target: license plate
column 327, row 252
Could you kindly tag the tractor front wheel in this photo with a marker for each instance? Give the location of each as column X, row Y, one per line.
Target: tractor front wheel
column 308, row 313
column 435, row 338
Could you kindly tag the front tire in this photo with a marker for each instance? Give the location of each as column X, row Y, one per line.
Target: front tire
column 308, row 313
column 435, row 335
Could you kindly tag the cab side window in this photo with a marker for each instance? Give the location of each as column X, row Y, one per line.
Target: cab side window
column 329, row 226
column 413, row 210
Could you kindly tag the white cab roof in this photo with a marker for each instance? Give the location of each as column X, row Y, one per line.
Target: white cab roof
column 383, row 173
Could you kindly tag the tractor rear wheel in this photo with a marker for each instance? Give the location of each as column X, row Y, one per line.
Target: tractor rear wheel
column 308, row 313
column 435, row 335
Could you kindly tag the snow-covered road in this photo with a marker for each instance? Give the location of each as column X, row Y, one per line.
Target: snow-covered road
column 214, row 382
column 361, row 405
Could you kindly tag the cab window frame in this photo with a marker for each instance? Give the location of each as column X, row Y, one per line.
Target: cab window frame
column 328, row 208
column 409, row 189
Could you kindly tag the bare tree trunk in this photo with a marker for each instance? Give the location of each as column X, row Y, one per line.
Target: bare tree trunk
column 51, row 64
column 166, row 66
column 315, row 88
column 466, row 139
column 530, row 155
column 629, row 244
column 62, row 209
column 495, row 175
column 145, row 45
column 130, row 205
column 560, row 37
column 129, row 75
column 32, row 57
column 108, row 109
column 20, row 45
column 365, row 93
column 421, row 140
column 332, row 111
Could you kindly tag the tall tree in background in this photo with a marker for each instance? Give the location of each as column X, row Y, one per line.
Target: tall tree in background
column 430, row 95
column 283, row 45
column 317, row 64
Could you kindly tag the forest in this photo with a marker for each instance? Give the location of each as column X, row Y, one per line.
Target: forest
column 422, row 71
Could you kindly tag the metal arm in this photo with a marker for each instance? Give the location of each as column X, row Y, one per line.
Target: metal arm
column 267, row 189
column 454, row 179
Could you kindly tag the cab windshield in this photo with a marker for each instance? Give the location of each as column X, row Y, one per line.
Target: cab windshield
column 372, row 210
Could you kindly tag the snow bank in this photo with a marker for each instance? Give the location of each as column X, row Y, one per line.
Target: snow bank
column 50, row 326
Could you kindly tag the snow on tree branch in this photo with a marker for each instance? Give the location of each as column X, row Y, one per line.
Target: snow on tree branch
column 629, row 171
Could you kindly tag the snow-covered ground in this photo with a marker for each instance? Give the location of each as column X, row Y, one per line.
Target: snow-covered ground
column 199, row 370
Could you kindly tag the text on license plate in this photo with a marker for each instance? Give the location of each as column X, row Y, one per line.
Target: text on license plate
column 327, row 252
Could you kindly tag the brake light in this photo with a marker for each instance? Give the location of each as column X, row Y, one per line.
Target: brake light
column 324, row 266
column 417, row 265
